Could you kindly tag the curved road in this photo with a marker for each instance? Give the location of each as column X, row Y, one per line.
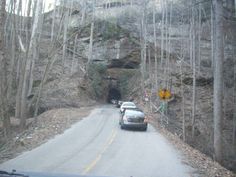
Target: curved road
column 97, row 146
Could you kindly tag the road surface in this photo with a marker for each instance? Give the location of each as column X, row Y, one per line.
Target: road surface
column 97, row 146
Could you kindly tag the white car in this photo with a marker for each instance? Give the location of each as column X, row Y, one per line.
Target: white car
column 127, row 105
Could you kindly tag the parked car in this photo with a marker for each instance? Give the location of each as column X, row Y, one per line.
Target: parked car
column 126, row 105
column 133, row 119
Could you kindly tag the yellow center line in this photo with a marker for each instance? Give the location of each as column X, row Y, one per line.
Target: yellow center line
column 110, row 140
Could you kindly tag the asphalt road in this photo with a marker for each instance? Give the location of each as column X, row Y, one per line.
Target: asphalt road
column 97, row 146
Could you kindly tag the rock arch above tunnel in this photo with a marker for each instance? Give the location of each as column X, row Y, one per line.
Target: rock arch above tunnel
column 113, row 94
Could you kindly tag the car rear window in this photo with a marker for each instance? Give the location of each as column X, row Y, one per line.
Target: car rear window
column 134, row 113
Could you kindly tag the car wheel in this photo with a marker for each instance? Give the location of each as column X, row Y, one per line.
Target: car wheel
column 144, row 129
column 122, row 126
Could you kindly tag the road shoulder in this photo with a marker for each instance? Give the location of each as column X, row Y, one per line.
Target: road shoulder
column 49, row 124
column 204, row 165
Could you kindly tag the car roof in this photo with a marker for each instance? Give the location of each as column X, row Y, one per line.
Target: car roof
column 128, row 103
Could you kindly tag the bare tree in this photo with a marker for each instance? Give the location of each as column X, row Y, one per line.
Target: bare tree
column 162, row 31
column 19, row 63
column 73, row 63
column 27, row 63
column 182, row 86
column 143, row 42
column 12, row 42
column 3, row 73
column 218, row 77
column 234, row 103
column 193, row 56
column 90, row 55
column 53, row 20
column 199, row 35
column 183, row 101
column 66, row 19
column 83, row 12
column 234, row 113
column 212, row 37
column 155, row 46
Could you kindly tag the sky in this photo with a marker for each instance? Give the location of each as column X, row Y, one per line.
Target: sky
column 48, row 5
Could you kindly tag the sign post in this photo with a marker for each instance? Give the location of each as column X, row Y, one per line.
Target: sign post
column 164, row 95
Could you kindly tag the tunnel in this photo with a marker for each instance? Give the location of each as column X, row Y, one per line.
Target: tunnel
column 113, row 94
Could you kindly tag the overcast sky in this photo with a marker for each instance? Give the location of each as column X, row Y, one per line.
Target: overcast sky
column 48, row 5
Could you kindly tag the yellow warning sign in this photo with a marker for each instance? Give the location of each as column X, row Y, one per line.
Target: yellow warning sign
column 164, row 94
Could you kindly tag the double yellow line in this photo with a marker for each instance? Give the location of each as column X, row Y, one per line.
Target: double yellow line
column 89, row 167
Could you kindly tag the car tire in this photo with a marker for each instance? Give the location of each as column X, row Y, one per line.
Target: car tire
column 122, row 126
column 144, row 129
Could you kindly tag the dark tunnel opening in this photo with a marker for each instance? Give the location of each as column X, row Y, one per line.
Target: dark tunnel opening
column 113, row 94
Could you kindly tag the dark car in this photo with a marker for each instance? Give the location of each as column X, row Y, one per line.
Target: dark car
column 133, row 119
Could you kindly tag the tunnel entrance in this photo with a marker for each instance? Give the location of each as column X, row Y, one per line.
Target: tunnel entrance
column 113, row 94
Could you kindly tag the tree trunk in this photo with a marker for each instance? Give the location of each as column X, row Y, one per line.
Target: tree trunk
column 20, row 61
column 149, row 65
column 234, row 103
column 155, row 46
column 212, row 38
column 73, row 64
column 194, row 67
column 90, row 55
column 162, row 33
column 166, row 45
column 143, row 47
column 183, row 102
column 83, row 12
column 3, row 74
column 234, row 113
column 145, row 44
column 53, row 20
column 169, row 48
column 13, row 50
column 218, row 77
column 66, row 18
column 182, row 86
column 199, row 36
column 26, row 65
